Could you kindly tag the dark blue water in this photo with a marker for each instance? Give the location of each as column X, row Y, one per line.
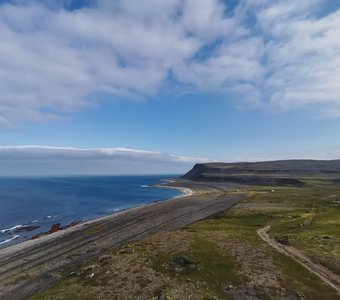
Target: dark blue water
column 46, row 201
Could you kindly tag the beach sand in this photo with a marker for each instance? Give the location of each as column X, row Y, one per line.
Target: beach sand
column 40, row 258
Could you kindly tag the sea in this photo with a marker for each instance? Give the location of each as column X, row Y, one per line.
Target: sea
column 30, row 206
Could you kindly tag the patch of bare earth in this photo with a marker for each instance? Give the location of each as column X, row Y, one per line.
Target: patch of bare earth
column 128, row 277
column 186, row 290
column 123, row 275
column 256, row 265
column 175, row 241
column 127, row 272
column 327, row 276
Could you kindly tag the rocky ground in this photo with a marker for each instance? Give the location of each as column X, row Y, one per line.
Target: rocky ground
column 227, row 241
column 223, row 257
column 38, row 264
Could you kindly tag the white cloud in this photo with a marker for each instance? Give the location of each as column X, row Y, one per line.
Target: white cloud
column 277, row 54
column 42, row 160
column 228, row 68
column 289, row 59
column 58, row 59
column 305, row 63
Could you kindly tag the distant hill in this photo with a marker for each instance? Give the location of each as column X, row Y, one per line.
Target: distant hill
column 283, row 172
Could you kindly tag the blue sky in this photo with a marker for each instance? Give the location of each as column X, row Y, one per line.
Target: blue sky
column 205, row 80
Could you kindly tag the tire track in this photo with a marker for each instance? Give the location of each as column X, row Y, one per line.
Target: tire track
column 326, row 275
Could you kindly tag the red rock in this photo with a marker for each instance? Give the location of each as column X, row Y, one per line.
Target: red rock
column 55, row 227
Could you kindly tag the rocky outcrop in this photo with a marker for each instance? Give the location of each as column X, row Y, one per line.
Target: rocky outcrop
column 55, row 227
column 25, row 229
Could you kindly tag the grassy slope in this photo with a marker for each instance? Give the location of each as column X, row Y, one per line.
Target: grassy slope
column 222, row 257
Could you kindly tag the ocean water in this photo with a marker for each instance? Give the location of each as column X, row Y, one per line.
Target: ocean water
column 46, row 201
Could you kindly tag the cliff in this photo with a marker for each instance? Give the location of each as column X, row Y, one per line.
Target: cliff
column 286, row 172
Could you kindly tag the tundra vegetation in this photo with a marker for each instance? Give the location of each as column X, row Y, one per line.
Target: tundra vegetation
column 223, row 256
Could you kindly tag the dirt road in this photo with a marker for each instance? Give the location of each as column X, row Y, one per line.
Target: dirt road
column 323, row 273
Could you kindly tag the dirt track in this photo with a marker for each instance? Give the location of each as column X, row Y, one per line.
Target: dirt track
column 323, row 273
column 56, row 251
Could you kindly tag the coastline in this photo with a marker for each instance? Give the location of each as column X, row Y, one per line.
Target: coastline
column 46, row 255
column 186, row 192
column 87, row 221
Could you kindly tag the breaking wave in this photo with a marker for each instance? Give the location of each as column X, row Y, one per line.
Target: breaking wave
column 11, row 239
column 7, row 230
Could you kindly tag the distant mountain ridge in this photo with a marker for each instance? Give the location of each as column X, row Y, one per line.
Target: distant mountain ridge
column 283, row 172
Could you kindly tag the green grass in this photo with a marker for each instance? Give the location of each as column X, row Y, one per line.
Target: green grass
column 213, row 268
column 225, row 250
column 300, row 279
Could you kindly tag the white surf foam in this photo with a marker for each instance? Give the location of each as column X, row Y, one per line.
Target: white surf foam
column 11, row 239
column 11, row 229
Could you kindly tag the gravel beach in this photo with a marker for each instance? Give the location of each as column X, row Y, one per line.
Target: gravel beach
column 28, row 267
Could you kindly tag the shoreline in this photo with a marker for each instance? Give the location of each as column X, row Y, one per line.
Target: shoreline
column 52, row 253
column 186, row 192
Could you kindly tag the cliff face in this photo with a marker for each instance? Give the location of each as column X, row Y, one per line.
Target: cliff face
column 289, row 172
column 195, row 172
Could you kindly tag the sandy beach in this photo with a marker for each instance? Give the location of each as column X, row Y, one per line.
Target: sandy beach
column 40, row 258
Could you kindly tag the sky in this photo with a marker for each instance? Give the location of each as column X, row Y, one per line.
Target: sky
column 149, row 86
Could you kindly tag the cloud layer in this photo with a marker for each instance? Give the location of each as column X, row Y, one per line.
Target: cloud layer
column 39, row 160
column 56, row 58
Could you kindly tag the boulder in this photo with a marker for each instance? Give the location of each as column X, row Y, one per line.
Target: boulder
column 55, row 227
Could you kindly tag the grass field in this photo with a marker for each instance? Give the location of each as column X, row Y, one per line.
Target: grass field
column 222, row 257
